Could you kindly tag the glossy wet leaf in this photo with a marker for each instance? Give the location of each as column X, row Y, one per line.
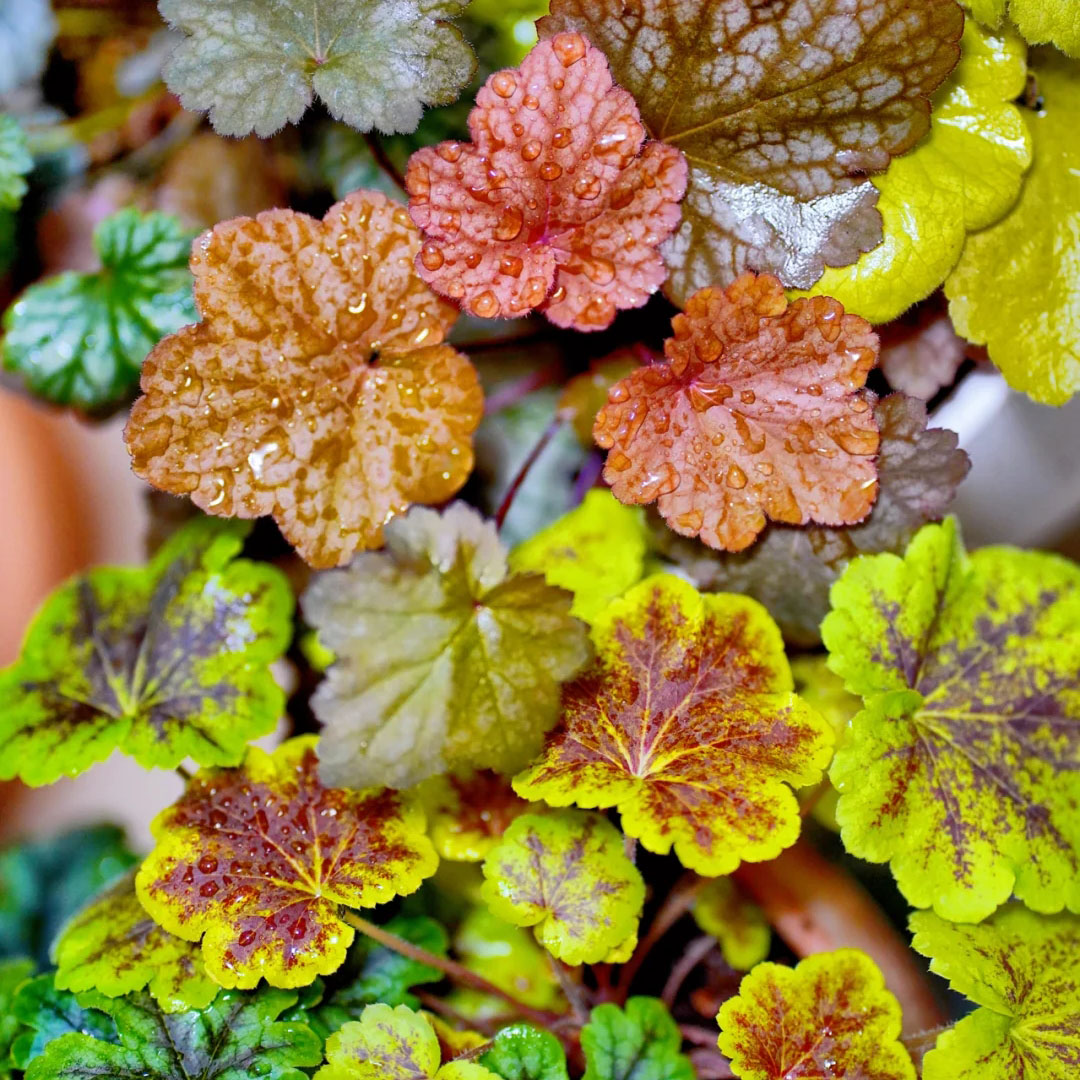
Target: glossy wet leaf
column 638, row 1042
column 316, row 388
column 688, row 725
column 237, row 1037
column 164, row 662
column 524, row 1052
column 782, row 111
column 446, row 660
column 961, row 770
column 1020, row 970
column 256, row 861
column 467, row 814
column 830, row 1015
column 46, row 1013
column 80, row 338
column 27, row 28
column 15, row 163
column 567, row 876
column 13, row 973
column 257, row 65
column 1038, row 20
column 756, row 411
column 737, row 923
column 557, row 203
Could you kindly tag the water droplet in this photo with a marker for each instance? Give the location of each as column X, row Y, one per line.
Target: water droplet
column 503, row 83
column 735, row 478
column 449, row 151
column 246, row 938
column 473, row 259
column 857, row 441
column 207, row 864
column 569, row 48
column 550, row 170
column 704, row 397
column 511, row 265
column 431, row 258
column 208, row 889
column 600, row 271
column 561, row 138
column 619, row 461
column 587, row 187
column 531, row 101
column 510, row 223
column 747, row 397
column 690, row 522
column 485, row 305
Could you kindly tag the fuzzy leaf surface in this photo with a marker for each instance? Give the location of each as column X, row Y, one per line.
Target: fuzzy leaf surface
column 46, row 1013
column 15, row 163
column 523, row 1052
column 737, row 923
column 467, row 814
column 638, row 1042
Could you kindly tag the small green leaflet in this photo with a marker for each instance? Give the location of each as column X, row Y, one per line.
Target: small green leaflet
column 165, row 662
column 640, row 1042
column 13, row 973
column 80, row 338
column 522, row 1052
column 15, row 163
column 47, row 1013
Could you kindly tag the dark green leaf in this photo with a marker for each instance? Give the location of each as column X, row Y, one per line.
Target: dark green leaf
column 522, row 1052
column 47, row 1013
column 12, row 974
column 15, row 163
column 639, row 1043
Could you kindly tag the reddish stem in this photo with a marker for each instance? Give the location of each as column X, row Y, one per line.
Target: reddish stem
column 693, row 954
column 382, row 159
column 523, row 472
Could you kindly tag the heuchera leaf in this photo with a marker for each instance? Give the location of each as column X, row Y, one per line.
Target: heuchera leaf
column 567, row 876
column 445, row 659
column 558, row 203
column 236, row 1038
column 316, row 388
column 523, row 1052
column 258, row 859
column 15, row 163
column 921, row 352
column 256, row 65
column 80, row 338
column 640, row 1042
column 165, row 662
column 114, row 947
column 27, row 28
column 757, row 410
column 1038, row 20
column 596, row 551
column 1015, row 287
column 688, row 725
column 13, row 973
column 46, row 1013
column 782, row 111
column 962, row 769
column 1020, row 969
column 737, row 923
column 830, row 1016
column 467, row 814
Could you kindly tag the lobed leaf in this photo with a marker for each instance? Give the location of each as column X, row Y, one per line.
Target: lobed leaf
column 586, row 394
column 14, row 971
column 638, row 1042
column 46, row 1013
column 1038, row 20
column 737, row 923
column 15, row 163
column 523, row 1052
column 467, row 814
column 921, row 352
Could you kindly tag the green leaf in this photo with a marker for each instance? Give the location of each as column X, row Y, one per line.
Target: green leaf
column 963, row 769
column 737, row 923
column 1021, row 969
column 1040, row 21
column 27, row 28
column 522, row 1052
column 164, row 662
column 48, row 1013
column 13, row 973
column 256, row 65
column 640, row 1042
column 80, row 338
column 15, row 163
column 237, row 1037
column 1016, row 288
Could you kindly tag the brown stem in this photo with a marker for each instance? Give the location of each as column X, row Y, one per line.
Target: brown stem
column 523, row 472
column 184, row 774
column 921, row 1043
column 693, row 954
column 816, row 906
column 378, row 152
column 434, row 1003
column 699, row 1036
column 572, row 990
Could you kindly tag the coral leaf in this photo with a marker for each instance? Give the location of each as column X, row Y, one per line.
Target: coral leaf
column 640, row 1042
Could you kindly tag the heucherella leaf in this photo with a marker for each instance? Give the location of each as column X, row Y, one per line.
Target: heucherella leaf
column 468, row 814
column 445, row 660
column 114, row 947
column 921, row 352
column 567, row 876
column 237, row 1037
column 27, row 28
column 756, row 410
column 241, row 862
column 1021, row 970
column 257, row 65
column 15, row 163
column 1027, row 309
column 596, row 551
column 829, row 1016
column 558, row 203
column 523, row 1052
column 686, row 723
column 1039, row 21
column 640, row 1042
column 962, row 769
column 164, row 662
column 13, row 974
column 782, row 111
column 316, row 388
column 80, row 338
column 46, row 1013
column 737, row 923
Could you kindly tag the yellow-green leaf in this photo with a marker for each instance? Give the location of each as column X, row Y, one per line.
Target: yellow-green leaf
column 468, row 814
column 737, row 923
column 1040, row 21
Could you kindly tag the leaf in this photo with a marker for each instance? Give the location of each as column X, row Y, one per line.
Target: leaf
column 1015, row 287
column 46, row 1013
column 257, row 65
column 963, row 176
column 165, row 662
column 586, row 394
column 688, row 725
column 795, row 444
column 738, row 924
column 523, row 1052
column 1038, row 20
column 15, row 163
column 557, row 204
column 596, row 551
column 565, row 875
column 235, row 1038
column 225, row 866
column 921, row 352
column 829, row 1016
column 782, row 111
column 640, row 1042
column 1020, row 968
column 961, row 770
column 114, row 947
column 332, row 404
column 468, row 814
column 27, row 28
column 445, row 659
column 80, row 338
column 790, row 570
column 13, row 974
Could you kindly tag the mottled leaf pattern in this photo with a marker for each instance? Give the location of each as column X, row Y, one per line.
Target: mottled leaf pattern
column 468, row 813
column 523, row 1052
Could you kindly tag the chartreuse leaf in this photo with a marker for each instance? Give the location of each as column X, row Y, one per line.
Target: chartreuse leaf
column 13, row 973
column 46, row 1013
column 256, row 65
column 15, row 163
column 1015, row 288
column 391, row 1044
column 80, row 338
column 962, row 769
column 242, row 861
column 1021, row 970
column 737, row 923
column 567, row 876
column 597, row 551
column 686, row 723
column 237, row 1037
column 523, row 1052
column 1039, row 21
column 164, row 662
column 114, row 947
column 640, row 1042
column 468, row 814
column 963, row 176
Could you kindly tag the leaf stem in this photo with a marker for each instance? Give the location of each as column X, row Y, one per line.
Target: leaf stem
column 541, row 444
column 382, row 159
column 921, row 1043
column 572, row 990
column 693, row 954
column 184, row 774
